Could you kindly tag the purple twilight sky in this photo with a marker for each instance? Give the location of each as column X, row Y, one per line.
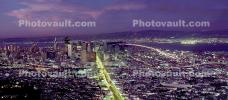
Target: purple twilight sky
column 110, row 15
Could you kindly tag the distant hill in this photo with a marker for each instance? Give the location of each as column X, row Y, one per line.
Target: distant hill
column 166, row 34
column 131, row 35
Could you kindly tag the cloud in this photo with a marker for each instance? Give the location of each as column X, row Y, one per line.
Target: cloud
column 118, row 7
column 126, row 7
column 34, row 9
column 20, row 14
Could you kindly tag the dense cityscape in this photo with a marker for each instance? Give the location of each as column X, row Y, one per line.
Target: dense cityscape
column 114, row 50
column 110, row 69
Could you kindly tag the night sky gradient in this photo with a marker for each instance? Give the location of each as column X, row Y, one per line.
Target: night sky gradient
column 110, row 15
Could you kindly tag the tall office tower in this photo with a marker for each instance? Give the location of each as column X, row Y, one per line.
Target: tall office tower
column 55, row 44
column 79, row 46
column 92, row 44
column 83, row 56
column 84, row 53
column 84, row 46
column 68, row 47
column 89, row 47
column 69, row 50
